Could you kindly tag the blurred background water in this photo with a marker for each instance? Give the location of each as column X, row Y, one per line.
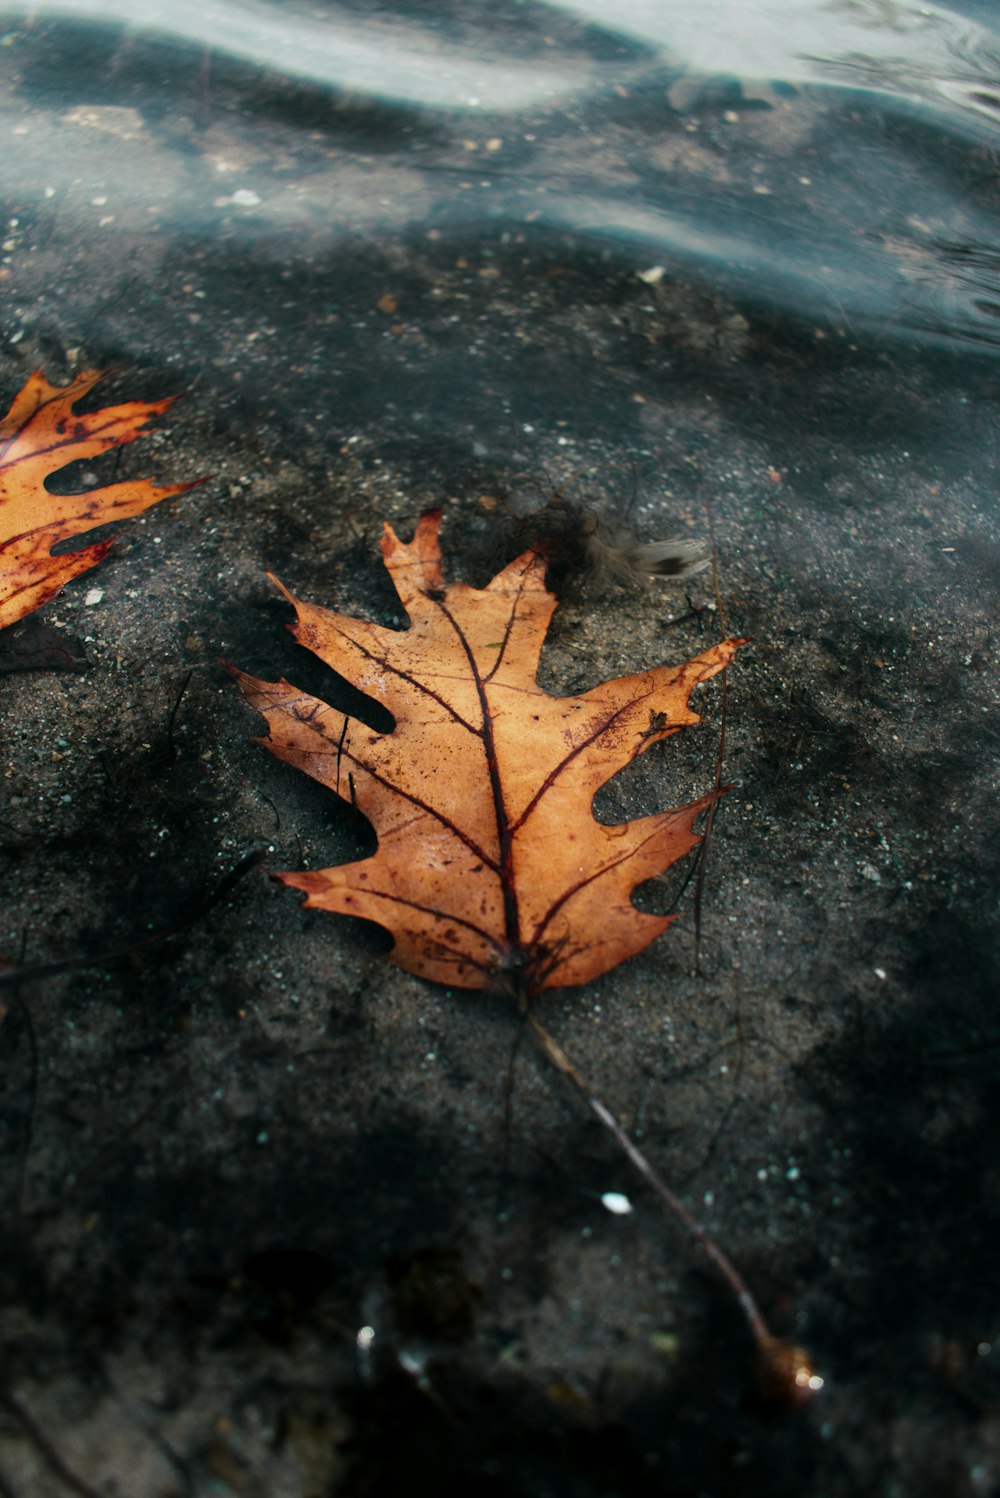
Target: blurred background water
column 827, row 162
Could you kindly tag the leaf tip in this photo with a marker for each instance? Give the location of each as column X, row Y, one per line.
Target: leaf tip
column 250, row 686
column 282, row 589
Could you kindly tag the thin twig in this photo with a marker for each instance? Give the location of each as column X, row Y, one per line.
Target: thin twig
column 703, row 848
column 173, row 713
column 12, row 976
column 44, row 1446
column 508, row 1101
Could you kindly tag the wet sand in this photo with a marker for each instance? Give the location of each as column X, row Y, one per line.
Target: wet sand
column 226, row 1153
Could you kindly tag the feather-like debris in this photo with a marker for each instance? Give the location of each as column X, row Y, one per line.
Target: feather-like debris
column 583, row 545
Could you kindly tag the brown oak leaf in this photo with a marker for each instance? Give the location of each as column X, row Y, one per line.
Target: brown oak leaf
column 490, row 869
column 39, row 435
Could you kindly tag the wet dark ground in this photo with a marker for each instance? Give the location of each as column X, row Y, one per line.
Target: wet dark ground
column 225, row 1152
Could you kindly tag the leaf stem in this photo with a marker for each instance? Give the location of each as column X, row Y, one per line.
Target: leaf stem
column 785, row 1373
column 704, row 1239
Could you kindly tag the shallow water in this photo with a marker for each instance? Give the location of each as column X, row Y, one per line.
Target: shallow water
column 728, row 267
column 835, row 162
